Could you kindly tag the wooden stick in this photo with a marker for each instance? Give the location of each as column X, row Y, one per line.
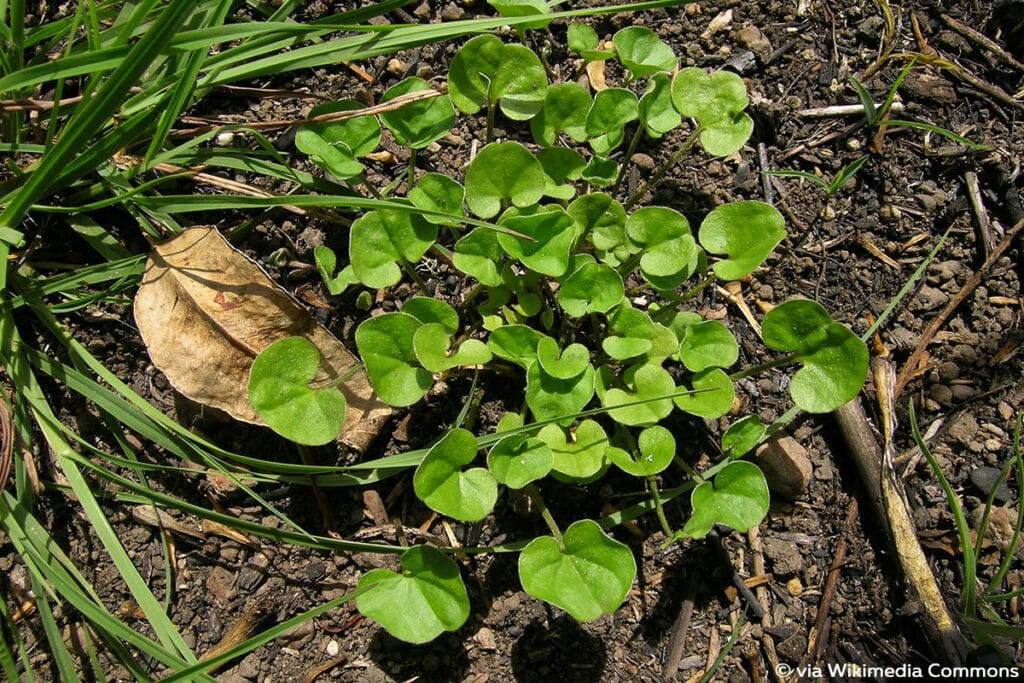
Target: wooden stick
column 972, row 283
column 680, row 633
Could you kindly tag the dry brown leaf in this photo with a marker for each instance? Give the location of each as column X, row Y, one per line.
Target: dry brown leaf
column 205, row 311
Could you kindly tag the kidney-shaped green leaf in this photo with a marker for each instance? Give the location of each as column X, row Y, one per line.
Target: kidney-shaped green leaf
column 485, row 70
column 578, row 455
column 657, row 447
column 503, row 173
column 588, row 575
column 592, row 288
column 280, row 393
column 445, row 487
column 835, row 360
column 655, row 107
column 642, row 52
column 425, row 600
column 518, row 460
column 420, row 123
column 713, row 395
column 523, row 8
column 553, row 232
column 717, row 101
column 334, row 145
column 565, row 110
column 381, row 239
column 738, row 499
column 708, row 344
column 431, row 343
column 742, row 436
column 385, row 345
column 746, row 232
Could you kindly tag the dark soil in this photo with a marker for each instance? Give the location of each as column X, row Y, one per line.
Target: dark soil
column 852, row 251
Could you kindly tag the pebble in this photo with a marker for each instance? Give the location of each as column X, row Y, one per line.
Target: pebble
column 948, row 371
column 485, row 639
column 333, row 648
column 1005, row 410
column 963, row 392
column 794, row 587
column 984, row 478
column 929, row 299
column 754, row 40
column 786, row 467
column 941, row 394
column 963, row 430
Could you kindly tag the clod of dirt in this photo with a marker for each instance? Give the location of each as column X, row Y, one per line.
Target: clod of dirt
column 205, row 311
column 784, row 557
column 754, row 40
column 786, row 467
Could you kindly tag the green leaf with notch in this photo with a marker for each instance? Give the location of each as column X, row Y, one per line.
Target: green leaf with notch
column 649, row 389
column 670, row 254
column 717, row 101
column 553, row 232
column 516, row 343
column 503, row 173
column 835, row 361
column 655, row 108
column 642, row 52
column 738, row 498
column 708, row 344
column 612, row 109
column 417, row 124
column 335, row 145
column 280, row 392
column 485, row 70
column 562, row 364
column 381, row 239
column 603, row 220
column 441, row 483
column 565, row 110
column 713, row 395
column 588, row 575
column 519, row 459
column 656, row 449
column 746, row 232
column 431, row 343
column 425, row 600
column 578, row 455
column 551, row 398
column 478, row 255
column 385, row 344
column 437, row 192
column 592, row 288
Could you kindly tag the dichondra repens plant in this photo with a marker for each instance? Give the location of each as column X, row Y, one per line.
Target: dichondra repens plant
column 571, row 286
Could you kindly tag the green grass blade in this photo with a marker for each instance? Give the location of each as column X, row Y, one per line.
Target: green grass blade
column 94, row 114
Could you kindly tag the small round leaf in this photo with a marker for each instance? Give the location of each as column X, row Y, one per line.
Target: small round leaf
column 385, row 345
column 425, row 600
column 417, row 124
column 708, row 344
column 279, row 391
column 503, row 172
column 642, row 52
column 441, row 483
column 657, row 447
column 713, row 395
column 588, row 576
column 738, row 499
column 518, row 460
column 746, row 232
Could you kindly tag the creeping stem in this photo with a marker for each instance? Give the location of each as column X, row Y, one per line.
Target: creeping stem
column 660, row 173
column 538, row 500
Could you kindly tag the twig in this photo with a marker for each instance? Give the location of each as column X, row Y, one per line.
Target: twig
column 757, row 566
column 737, row 580
column 680, row 633
column 733, row 293
column 982, row 40
column 842, row 110
column 972, row 283
column 819, row 633
column 890, row 510
column 766, row 180
column 978, row 204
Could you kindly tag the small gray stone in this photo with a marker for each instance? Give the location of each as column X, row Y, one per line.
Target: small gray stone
column 985, row 478
column 929, row 299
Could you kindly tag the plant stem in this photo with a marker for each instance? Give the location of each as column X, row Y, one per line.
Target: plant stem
column 412, row 170
column 764, row 366
column 538, row 500
column 660, row 173
column 415, row 277
column 490, row 122
column 652, row 484
column 629, row 158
